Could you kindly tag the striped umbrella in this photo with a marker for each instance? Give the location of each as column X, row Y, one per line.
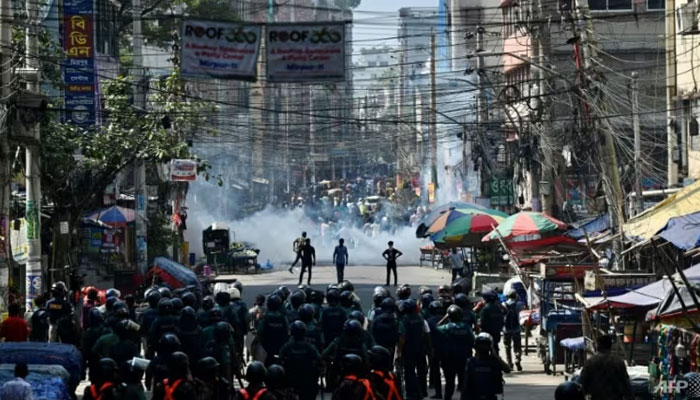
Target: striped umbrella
column 462, row 227
column 463, row 207
column 525, row 223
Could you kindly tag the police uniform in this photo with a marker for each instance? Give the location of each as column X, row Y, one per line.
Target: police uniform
column 458, row 345
column 301, row 360
column 414, row 330
column 273, row 332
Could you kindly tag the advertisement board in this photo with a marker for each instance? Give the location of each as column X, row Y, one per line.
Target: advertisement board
column 223, row 50
column 183, row 170
column 79, row 66
column 305, row 52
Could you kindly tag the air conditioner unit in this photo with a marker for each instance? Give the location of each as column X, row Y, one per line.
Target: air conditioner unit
column 687, row 18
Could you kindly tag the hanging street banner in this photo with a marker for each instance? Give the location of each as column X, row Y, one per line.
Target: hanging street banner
column 79, row 67
column 222, row 50
column 305, row 52
column 183, row 170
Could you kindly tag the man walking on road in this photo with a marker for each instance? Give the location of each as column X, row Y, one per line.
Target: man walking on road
column 390, row 255
column 457, row 264
column 297, row 246
column 340, row 258
column 308, row 259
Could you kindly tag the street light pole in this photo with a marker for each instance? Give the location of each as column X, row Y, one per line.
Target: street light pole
column 140, row 189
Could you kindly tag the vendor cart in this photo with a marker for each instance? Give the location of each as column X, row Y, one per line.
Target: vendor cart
column 556, row 287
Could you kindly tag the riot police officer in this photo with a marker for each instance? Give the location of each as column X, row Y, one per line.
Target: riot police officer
column 483, row 376
column 459, row 341
column 302, row 361
column 255, row 375
column 60, row 311
column 413, row 346
column 353, row 385
column 179, row 384
column 435, row 315
column 385, row 328
column 104, row 386
column 210, row 384
column 146, row 319
column 273, row 329
column 385, row 383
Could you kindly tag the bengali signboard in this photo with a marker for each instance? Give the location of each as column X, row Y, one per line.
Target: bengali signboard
column 305, row 52
column 79, row 67
column 501, row 191
column 221, row 50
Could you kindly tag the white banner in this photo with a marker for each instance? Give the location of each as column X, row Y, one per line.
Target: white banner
column 305, row 52
column 183, row 170
column 220, row 49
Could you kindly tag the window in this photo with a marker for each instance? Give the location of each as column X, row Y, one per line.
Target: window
column 610, row 5
column 384, row 63
column 371, row 63
column 107, row 41
column 656, row 4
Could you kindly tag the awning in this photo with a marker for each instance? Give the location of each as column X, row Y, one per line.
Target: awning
column 645, row 296
column 683, row 232
column 647, row 224
column 590, row 226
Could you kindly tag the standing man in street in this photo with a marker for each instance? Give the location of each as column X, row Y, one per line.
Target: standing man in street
column 511, row 337
column 340, row 258
column 390, row 255
column 308, row 259
column 297, row 246
column 457, row 264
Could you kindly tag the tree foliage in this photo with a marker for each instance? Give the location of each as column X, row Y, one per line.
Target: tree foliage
column 347, row 4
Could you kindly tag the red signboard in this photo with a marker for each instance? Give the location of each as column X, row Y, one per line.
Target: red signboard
column 78, row 36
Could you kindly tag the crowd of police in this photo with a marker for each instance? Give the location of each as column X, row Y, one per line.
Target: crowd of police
column 295, row 344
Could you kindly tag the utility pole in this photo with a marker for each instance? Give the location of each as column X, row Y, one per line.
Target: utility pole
column 33, row 272
column 605, row 146
column 140, row 189
column 5, row 152
column 670, row 42
column 400, row 148
column 639, row 203
column 433, row 116
column 542, row 42
column 482, row 115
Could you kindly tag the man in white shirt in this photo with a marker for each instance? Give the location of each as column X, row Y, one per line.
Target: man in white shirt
column 456, row 263
column 18, row 388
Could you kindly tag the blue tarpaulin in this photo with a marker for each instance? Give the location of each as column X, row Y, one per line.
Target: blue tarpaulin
column 683, row 232
column 590, row 226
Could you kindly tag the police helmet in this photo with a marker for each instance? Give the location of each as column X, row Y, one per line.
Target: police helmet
column 222, row 298
column 152, row 297
column 462, row 300
column 352, row 364
column 168, row 343
column 121, row 328
column 239, row 286
column 109, row 304
column 298, row 330
column 388, row 305
column 215, row 316
column 333, row 297
column 188, row 318
column 346, row 299
column 274, row 303
column 403, row 292
column 177, row 304
column 234, row 293
column 59, row 289
column 425, row 290
column 165, row 306
column 380, row 358
column 455, row 313
column 490, row 296
column 256, row 373
column 95, row 317
column 284, row 292
column 379, row 295
column 435, row 308
column 113, row 293
column 306, row 312
column 331, row 287
column 276, row 377
column 408, row 306
column 569, row 391
column 358, row 316
column 207, row 369
column 189, row 299
column 165, row 292
column 179, row 364
column 346, row 285
column 483, row 341
column 207, row 303
column 120, row 310
column 352, row 328
column 222, row 331
column 444, row 291
column 426, row 299
column 315, row 297
column 107, row 368
column 298, row 298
